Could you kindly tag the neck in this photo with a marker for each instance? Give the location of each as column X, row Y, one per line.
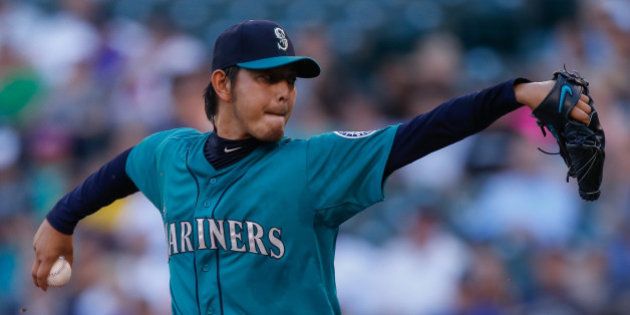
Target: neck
column 228, row 127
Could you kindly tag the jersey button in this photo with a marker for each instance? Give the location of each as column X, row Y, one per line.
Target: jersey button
column 206, row 204
column 205, row 268
column 213, row 181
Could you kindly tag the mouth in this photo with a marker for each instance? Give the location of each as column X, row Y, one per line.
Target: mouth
column 279, row 114
column 276, row 119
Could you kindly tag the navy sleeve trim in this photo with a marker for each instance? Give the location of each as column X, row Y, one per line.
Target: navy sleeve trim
column 100, row 189
column 450, row 122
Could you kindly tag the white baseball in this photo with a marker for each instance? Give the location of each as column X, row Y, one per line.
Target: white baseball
column 59, row 273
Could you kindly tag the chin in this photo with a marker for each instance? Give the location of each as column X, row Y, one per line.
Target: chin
column 275, row 136
column 271, row 135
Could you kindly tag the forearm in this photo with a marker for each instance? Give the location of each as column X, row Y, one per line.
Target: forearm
column 450, row 122
column 101, row 188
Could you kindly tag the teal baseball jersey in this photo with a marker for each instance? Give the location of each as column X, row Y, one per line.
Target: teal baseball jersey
column 258, row 236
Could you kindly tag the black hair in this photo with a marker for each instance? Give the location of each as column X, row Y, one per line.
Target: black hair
column 210, row 97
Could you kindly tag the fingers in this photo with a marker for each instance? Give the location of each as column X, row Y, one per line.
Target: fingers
column 582, row 110
column 36, row 260
column 582, row 113
column 34, row 271
column 584, row 106
column 43, row 270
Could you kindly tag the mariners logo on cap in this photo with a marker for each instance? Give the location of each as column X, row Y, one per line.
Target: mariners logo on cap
column 354, row 134
column 284, row 42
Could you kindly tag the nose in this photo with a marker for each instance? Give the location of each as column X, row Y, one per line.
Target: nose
column 282, row 91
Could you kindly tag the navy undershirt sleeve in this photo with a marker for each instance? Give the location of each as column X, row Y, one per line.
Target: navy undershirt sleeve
column 450, row 122
column 101, row 188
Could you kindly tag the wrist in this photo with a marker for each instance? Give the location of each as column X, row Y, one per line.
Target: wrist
column 531, row 94
column 522, row 93
column 60, row 221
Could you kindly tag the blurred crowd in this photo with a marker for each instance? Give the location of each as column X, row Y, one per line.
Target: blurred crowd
column 485, row 226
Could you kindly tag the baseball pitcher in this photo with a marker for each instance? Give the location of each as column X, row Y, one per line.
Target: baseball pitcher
column 250, row 216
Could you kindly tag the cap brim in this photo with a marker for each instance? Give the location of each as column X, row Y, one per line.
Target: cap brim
column 306, row 67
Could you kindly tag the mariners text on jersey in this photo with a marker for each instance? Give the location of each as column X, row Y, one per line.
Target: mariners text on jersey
column 227, row 235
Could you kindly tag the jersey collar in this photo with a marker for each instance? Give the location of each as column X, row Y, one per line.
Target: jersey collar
column 222, row 153
column 199, row 164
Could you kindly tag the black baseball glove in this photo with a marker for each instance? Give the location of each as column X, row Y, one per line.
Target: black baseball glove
column 581, row 146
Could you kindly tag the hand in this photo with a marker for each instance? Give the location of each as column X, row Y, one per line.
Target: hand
column 48, row 244
column 533, row 93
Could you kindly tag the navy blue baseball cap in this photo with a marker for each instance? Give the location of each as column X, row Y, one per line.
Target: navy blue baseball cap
column 260, row 45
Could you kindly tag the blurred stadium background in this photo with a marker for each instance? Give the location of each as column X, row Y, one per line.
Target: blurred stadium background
column 486, row 226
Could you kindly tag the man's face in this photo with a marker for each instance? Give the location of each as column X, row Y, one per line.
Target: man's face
column 263, row 101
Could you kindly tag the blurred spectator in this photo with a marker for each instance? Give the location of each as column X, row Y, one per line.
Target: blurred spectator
column 416, row 272
column 551, row 272
column 188, row 105
column 420, row 270
column 485, row 287
column 19, row 85
column 529, row 198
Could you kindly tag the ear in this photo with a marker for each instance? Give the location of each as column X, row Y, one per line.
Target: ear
column 222, row 85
